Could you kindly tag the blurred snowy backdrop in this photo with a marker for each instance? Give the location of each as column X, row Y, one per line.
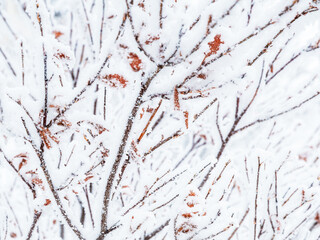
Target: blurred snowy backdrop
column 160, row 119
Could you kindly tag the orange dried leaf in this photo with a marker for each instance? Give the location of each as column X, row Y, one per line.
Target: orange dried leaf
column 100, row 128
column 115, row 80
column 192, row 194
column 176, row 99
column 87, row 178
column 37, row 181
column 45, row 134
column 152, row 39
column 31, row 172
column 317, row 218
column 303, row 157
column 186, row 118
column 105, row 153
column 57, row 34
column 141, row 5
column 48, row 201
column 13, row 235
column 64, row 123
column 202, row 76
column 214, row 46
column 190, row 204
column 22, row 163
column 21, row 155
column 187, row 215
column 135, row 62
column 61, row 55
column 186, row 227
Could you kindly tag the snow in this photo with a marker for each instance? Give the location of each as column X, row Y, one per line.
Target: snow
column 187, row 115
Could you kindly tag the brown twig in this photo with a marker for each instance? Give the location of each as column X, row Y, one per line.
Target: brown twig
column 36, row 217
column 85, row 189
column 78, row 96
column 173, row 136
column 157, row 230
column 148, row 123
column 22, row 63
column 136, row 35
column 102, row 22
column 88, row 22
column 256, row 201
column 240, row 223
column 120, row 153
column 278, row 114
column 21, row 177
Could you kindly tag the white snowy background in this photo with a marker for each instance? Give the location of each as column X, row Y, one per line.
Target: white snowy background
column 159, row 119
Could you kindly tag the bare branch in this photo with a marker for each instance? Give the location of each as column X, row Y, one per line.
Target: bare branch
column 241, row 221
column 278, row 114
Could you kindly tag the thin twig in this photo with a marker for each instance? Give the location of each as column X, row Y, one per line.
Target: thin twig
column 78, row 96
column 256, row 201
column 242, row 220
column 157, row 230
column 9, row 64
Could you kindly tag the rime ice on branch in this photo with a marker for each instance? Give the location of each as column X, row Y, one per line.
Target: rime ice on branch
column 143, row 119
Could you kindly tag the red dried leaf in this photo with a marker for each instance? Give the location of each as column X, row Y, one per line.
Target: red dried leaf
column 176, row 99
column 215, row 44
column 141, row 5
column 57, row 34
column 22, row 163
column 149, row 109
column 135, row 62
column 192, row 193
column 186, row 227
column 202, row 76
column 190, row 204
column 152, row 39
column 317, row 218
column 22, row 155
column 123, row 46
column 186, row 118
column 105, row 152
column 37, row 181
column 61, row 55
column 48, row 201
column 303, row 157
column 64, row 123
column 87, row 178
column 45, row 134
column 115, row 80
column 214, row 47
column 100, row 128
column 31, row 172
column 141, row 114
column 187, row 215
column 13, row 235
column 134, row 147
